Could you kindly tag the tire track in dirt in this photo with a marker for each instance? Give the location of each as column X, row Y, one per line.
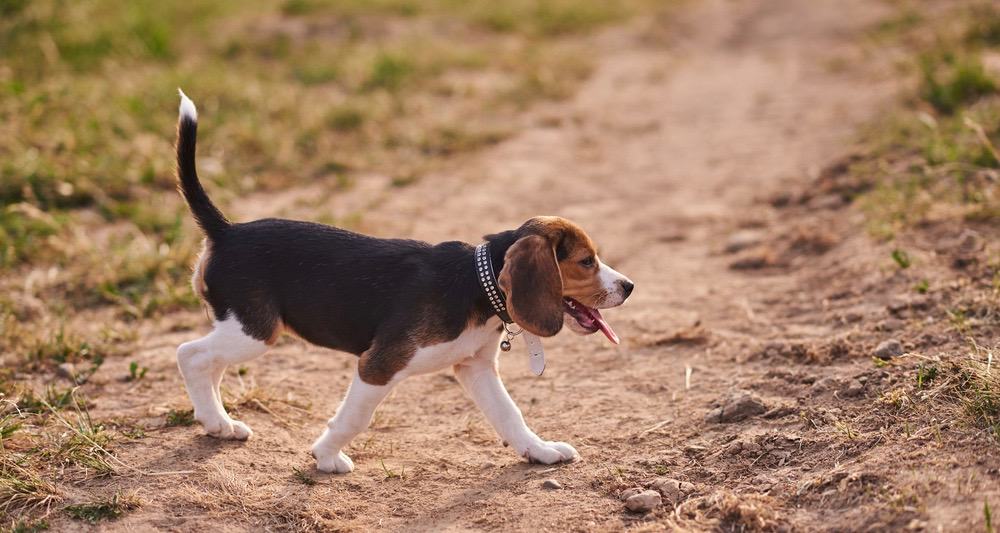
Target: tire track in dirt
column 659, row 156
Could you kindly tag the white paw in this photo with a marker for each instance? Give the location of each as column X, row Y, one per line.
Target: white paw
column 241, row 431
column 225, row 428
column 549, row 452
column 333, row 463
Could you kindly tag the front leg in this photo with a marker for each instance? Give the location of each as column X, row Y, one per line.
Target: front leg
column 481, row 381
column 353, row 417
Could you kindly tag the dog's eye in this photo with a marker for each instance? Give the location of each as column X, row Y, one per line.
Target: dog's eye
column 587, row 262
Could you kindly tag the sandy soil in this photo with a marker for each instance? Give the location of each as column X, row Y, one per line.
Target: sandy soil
column 672, row 146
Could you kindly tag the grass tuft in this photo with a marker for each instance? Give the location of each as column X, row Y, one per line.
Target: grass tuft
column 901, row 258
column 988, row 516
column 135, row 372
column 183, row 417
column 110, row 509
column 30, row 526
column 345, row 118
column 302, row 477
column 22, row 490
column 950, row 81
column 389, row 71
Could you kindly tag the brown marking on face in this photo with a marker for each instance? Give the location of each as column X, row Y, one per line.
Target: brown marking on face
column 531, row 281
column 572, row 246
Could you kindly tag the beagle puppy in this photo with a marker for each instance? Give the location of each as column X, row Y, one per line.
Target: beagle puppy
column 403, row 307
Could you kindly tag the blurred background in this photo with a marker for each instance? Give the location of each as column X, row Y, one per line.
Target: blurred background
column 792, row 184
column 292, row 93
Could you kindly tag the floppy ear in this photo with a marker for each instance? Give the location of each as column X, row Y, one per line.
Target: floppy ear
column 531, row 281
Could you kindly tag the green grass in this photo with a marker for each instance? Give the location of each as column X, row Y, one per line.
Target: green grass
column 987, row 516
column 30, row 526
column 302, row 477
column 345, row 118
column 135, row 372
column 23, row 490
column 54, row 398
column 180, row 418
column 389, row 71
column 94, row 237
column 937, row 159
column 335, row 80
column 979, row 392
column 901, row 258
column 933, row 162
column 110, row 509
column 951, row 81
column 983, row 27
column 392, row 474
column 925, row 375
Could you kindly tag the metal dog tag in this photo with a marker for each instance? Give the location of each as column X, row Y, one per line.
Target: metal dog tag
column 536, row 354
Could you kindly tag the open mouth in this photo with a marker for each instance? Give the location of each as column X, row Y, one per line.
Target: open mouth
column 589, row 318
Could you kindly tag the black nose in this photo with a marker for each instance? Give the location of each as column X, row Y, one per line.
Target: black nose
column 627, row 287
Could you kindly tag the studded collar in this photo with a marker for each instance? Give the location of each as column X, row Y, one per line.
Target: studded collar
column 488, row 281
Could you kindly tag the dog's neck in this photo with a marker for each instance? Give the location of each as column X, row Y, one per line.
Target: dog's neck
column 497, row 250
column 489, row 283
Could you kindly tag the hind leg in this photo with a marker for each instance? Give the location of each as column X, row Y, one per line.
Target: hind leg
column 202, row 363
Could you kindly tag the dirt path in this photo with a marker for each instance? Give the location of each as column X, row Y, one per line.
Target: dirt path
column 662, row 154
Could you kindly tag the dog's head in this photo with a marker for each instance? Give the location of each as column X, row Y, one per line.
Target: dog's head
column 552, row 275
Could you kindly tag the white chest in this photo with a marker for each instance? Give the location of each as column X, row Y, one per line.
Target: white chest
column 443, row 355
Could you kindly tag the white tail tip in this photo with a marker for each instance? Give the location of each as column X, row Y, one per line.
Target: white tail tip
column 187, row 107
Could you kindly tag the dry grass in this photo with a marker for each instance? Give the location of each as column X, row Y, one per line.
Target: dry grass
column 45, row 441
column 23, row 491
column 227, row 493
column 936, row 159
column 94, row 241
column 265, row 399
column 726, row 511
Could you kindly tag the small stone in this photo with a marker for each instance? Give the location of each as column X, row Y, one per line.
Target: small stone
column 66, row 370
column 966, row 244
column 823, row 383
column 551, row 484
column 644, row 501
column 781, row 199
column 628, row 493
column 853, row 389
column 669, row 488
column 891, row 324
column 828, row 201
column 970, row 241
column 741, row 240
column 740, row 406
column 888, row 349
column 755, row 260
column 672, row 489
column 907, row 304
column 780, row 411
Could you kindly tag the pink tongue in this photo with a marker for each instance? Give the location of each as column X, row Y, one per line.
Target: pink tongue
column 605, row 327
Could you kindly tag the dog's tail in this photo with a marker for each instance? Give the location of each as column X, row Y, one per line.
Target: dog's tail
column 211, row 220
